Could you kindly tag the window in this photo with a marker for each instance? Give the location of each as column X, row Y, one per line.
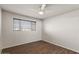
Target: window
column 22, row 25
column 16, row 25
column 25, row 25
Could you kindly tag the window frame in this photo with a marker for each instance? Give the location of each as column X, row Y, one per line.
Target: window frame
column 20, row 28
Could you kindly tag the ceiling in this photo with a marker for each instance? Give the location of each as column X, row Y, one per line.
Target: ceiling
column 33, row 9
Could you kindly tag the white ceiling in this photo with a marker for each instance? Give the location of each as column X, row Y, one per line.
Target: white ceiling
column 33, row 9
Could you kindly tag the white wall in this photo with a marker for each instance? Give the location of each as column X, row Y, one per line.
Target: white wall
column 63, row 30
column 0, row 33
column 13, row 38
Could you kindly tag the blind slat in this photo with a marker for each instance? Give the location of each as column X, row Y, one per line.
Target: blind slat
column 24, row 25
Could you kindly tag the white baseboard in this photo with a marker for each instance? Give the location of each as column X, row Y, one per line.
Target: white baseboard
column 4, row 47
column 61, row 46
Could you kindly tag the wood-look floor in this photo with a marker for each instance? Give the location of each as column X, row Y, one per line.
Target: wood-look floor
column 39, row 47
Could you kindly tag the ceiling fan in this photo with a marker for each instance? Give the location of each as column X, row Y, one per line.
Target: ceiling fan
column 42, row 8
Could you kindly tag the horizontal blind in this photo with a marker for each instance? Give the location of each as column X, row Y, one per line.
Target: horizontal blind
column 16, row 24
column 23, row 25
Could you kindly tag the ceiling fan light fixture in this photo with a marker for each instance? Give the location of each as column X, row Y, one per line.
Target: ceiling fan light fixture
column 41, row 12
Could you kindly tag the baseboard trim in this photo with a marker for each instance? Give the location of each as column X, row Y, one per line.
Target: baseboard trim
column 22, row 44
column 7, row 51
column 61, row 46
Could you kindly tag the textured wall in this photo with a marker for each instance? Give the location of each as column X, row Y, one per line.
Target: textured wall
column 63, row 30
column 13, row 38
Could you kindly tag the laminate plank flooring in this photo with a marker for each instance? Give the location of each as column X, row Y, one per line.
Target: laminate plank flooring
column 39, row 47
